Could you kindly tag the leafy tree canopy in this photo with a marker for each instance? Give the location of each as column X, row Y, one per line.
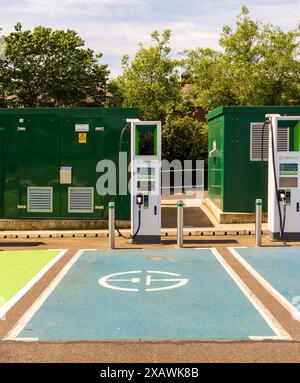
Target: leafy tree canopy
column 45, row 67
column 150, row 81
column 258, row 64
column 184, row 138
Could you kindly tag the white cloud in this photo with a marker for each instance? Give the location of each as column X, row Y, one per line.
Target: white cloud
column 67, row 9
column 285, row 14
column 115, row 27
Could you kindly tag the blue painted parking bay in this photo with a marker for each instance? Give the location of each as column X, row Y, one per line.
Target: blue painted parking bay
column 278, row 269
column 145, row 294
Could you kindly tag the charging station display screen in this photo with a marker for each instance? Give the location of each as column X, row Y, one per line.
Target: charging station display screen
column 146, row 186
column 145, row 141
column 146, row 173
column 288, row 169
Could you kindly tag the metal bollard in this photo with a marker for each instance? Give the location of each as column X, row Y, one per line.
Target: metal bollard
column 180, row 223
column 111, row 225
column 258, row 210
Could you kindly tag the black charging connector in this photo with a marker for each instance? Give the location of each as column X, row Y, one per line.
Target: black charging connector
column 139, row 200
column 281, row 195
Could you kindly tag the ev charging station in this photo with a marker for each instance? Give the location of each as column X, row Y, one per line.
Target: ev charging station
column 283, row 184
column 145, row 181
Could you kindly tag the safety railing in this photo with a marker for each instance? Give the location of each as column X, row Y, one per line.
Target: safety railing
column 181, row 181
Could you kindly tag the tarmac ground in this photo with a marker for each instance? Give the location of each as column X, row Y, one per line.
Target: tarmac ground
column 160, row 350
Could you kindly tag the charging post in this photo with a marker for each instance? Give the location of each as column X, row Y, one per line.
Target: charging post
column 145, row 181
column 283, row 182
column 180, row 206
column 111, row 225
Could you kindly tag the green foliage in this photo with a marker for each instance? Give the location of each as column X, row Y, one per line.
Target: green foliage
column 184, row 138
column 115, row 96
column 150, row 81
column 2, row 71
column 44, row 68
column 257, row 65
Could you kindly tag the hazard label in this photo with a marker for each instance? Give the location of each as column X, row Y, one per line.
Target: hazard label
column 82, row 138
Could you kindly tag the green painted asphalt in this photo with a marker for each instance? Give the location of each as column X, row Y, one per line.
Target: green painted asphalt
column 19, row 267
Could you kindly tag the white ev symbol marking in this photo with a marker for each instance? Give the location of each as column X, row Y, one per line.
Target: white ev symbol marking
column 106, row 281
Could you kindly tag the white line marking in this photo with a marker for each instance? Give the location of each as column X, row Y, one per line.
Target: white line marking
column 13, row 300
column 132, row 280
column 282, row 334
column 259, row 338
column 280, row 298
column 27, row 339
column 16, row 330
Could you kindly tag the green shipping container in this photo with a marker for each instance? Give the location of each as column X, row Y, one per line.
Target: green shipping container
column 234, row 147
column 36, row 144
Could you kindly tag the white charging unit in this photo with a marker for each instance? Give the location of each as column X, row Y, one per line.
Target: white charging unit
column 145, row 181
column 283, row 184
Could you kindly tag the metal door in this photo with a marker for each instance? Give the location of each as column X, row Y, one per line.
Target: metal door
column 38, row 156
column 80, row 152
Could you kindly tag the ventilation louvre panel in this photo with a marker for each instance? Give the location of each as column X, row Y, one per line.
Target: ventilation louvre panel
column 81, row 200
column 255, row 141
column 283, row 138
column 39, row 199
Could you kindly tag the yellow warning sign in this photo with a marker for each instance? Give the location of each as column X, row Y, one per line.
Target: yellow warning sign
column 82, row 138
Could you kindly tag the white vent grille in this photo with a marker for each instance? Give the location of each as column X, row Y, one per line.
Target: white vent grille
column 283, row 136
column 81, row 200
column 283, row 139
column 39, row 199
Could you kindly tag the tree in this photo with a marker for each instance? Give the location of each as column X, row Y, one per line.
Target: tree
column 258, row 64
column 115, row 96
column 45, row 68
column 150, row 81
column 2, row 71
column 184, row 138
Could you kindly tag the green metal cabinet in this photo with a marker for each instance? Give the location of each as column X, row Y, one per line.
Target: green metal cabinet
column 234, row 180
column 1, row 171
column 36, row 143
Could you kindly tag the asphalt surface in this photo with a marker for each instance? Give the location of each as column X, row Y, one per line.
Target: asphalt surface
column 149, row 351
column 193, row 217
column 146, row 294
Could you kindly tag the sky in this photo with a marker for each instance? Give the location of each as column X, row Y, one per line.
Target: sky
column 116, row 27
